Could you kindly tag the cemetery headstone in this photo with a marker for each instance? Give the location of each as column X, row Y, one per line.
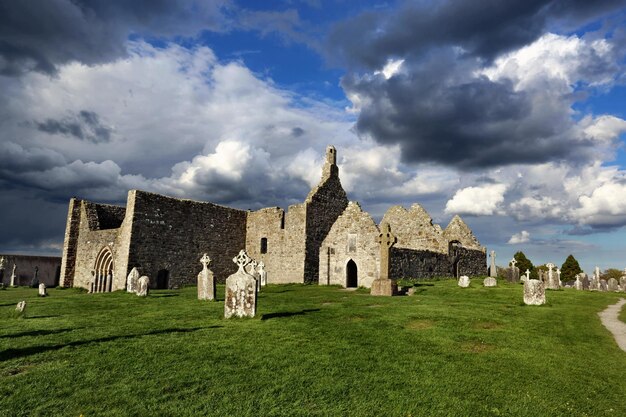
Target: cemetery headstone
column 384, row 285
column 13, row 275
column 35, row 282
column 241, row 290
column 255, row 273
column 490, row 282
column 579, row 283
column 512, row 273
column 132, row 281
column 534, row 292
column 585, row 281
column 492, row 267
column 603, row 285
column 42, row 290
column 612, row 284
column 21, row 306
column 143, row 286
column 262, row 273
column 464, row 281
column 206, row 280
column 552, row 282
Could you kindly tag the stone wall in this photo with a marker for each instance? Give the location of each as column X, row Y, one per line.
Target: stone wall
column 352, row 237
column 416, row 264
column 70, row 242
column 49, row 269
column 458, row 231
column 415, row 230
column 269, row 223
column 170, row 235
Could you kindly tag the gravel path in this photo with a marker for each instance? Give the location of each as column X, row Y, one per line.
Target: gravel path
column 610, row 320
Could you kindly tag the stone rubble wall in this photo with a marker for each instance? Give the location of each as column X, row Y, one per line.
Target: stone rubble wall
column 416, row 264
column 70, row 242
column 365, row 253
column 415, row 230
column 49, row 269
column 457, row 230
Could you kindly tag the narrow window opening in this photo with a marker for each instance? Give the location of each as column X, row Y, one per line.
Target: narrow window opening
column 263, row 245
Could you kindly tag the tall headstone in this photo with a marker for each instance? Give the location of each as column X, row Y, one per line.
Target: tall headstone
column 384, row 285
column 622, row 282
column 206, row 280
column 552, row 282
column 42, row 290
column 612, row 284
column 602, row 286
column 35, row 281
column 579, row 283
column 13, row 275
column 132, row 280
column 143, row 286
column 463, row 281
column 585, row 280
column 534, row 292
column 492, row 267
column 558, row 277
column 512, row 273
column 241, row 290
column 262, row 273
column 255, row 273
column 526, row 275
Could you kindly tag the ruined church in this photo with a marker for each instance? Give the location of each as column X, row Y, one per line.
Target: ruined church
column 325, row 240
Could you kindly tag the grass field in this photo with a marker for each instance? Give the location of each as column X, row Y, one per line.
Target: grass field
column 311, row 351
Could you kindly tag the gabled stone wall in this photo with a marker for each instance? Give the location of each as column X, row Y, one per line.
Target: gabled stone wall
column 415, row 230
column 352, row 237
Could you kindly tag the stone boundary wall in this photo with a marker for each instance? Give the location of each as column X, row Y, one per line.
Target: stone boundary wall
column 270, row 223
column 49, row 269
column 409, row 263
column 171, row 234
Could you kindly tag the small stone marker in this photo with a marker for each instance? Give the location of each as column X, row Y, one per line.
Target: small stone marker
column 21, row 306
column 262, row 273
column 206, row 280
column 241, row 290
column 383, row 285
column 603, row 285
column 612, row 284
column 490, row 282
column 143, row 286
column 534, row 292
column 42, row 290
column 464, row 281
column 410, row 291
column 492, row 268
column 553, row 281
column 132, row 280
column 13, row 275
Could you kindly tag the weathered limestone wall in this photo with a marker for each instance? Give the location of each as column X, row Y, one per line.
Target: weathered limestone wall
column 352, row 237
column 171, row 234
column 415, row 230
column 472, row 262
column 49, row 269
column 70, row 242
column 458, row 231
column 410, row 263
column 268, row 223
column 324, row 205
column 291, row 267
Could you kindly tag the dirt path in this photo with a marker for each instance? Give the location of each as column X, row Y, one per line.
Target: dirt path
column 610, row 320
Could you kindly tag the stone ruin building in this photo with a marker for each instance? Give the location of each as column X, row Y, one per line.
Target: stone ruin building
column 324, row 240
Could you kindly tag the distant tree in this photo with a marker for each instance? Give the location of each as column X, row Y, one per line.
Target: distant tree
column 570, row 269
column 523, row 263
column 611, row 273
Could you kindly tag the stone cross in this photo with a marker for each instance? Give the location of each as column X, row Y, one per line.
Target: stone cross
column 527, row 274
column 558, row 274
column 205, row 261
column 13, row 275
column 513, row 262
column 242, row 259
column 596, row 273
column 263, row 273
column 492, row 268
column 386, row 241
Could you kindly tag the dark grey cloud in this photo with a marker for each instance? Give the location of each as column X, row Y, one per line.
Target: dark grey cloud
column 41, row 34
column 85, row 125
column 437, row 108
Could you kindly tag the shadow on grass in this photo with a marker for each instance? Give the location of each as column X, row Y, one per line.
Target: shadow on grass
column 36, row 333
column 33, row 350
column 42, row 317
column 288, row 314
column 163, row 295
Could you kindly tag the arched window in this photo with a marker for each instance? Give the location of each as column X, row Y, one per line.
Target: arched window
column 263, row 245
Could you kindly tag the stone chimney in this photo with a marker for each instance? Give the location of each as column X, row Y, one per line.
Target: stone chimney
column 330, row 165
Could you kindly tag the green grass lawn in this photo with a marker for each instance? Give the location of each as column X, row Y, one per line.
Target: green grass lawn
column 311, row 351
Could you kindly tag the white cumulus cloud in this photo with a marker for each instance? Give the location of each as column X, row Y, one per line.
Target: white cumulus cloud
column 482, row 200
column 521, row 237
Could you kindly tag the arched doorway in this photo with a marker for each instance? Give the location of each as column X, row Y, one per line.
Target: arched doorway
column 352, row 276
column 103, row 271
column 163, row 278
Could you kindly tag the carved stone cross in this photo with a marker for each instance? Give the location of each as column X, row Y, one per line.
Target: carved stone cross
column 205, row 261
column 242, row 260
column 527, row 274
column 550, row 266
column 386, row 241
column 513, row 262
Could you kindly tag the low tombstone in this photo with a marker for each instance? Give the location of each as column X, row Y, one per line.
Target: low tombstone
column 410, row 292
column 206, row 280
column 143, row 286
column 602, row 286
column 464, row 281
column 262, row 273
column 21, row 306
column 42, row 290
column 612, row 284
column 534, row 292
column 241, row 290
column 490, row 282
column 512, row 273
column 132, row 280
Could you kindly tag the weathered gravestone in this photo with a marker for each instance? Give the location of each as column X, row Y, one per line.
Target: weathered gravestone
column 552, row 282
column 493, row 270
column 21, row 306
column 526, row 276
column 579, row 283
column 464, row 281
column 384, row 285
column 622, row 282
column 490, row 282
column 143, row 286
column 534, row 292
column 602, row 286
column 255, row 273
column 411, row 291
column 133, row 280
column 34, row 283
column 13, row 275
column 241, row 290
column 42, row 290
column 206, row 280
column 512, row 273
column 585, row 280
column 612, row 284
column 262, row 273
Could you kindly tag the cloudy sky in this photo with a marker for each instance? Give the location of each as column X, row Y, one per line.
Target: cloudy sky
column 511, row 114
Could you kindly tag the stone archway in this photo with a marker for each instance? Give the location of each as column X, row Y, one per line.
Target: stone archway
column 103, row 271
column 352, row 275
